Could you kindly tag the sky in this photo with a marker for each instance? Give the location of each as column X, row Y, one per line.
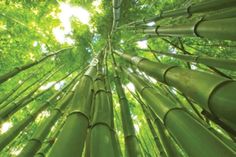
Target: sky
column 67, row 12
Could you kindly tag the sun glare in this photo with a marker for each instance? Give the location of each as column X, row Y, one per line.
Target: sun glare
column 67, row 12
column 5, row 127
column 131, row 87
column 142, row 44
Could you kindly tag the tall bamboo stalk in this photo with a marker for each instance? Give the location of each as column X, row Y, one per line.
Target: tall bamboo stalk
column 159, row 146
column 115, row 141
column 38, row 81
column 102, row 118
column 210, row 61
column 37, row 139
column 201, row 28
column 13, row 132
column 187, row 52
column 201, row 7
column 74, row 131
column 213, row 93
column 13, row 91
column 11, row 109
column 178, row 121
column 19, row 69
column 131, row 142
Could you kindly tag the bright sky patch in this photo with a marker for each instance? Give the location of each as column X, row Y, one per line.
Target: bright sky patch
column 67, row 12
column 142, row 44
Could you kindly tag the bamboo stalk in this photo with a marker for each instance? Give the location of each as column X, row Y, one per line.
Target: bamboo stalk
column 177, row 121
column 218, row 96
column 19, row 69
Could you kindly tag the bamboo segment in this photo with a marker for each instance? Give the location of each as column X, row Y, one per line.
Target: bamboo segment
column 101, row 122
column 14, row 107
column 15, row 89
column 41, row 80
column 210, row 61
column 202, row 7
column 131, row 142
column 74, row 131
column 213, row 93
column 155, row 136
column 178, row 121
column 17, row 70
column 116, row 14
column 227, row 13
column 186, row 52
column 13, row 132
column 36, row 141
column 47, row 144
column 223, row 29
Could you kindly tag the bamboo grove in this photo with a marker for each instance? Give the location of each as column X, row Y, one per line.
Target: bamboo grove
column 185, row 97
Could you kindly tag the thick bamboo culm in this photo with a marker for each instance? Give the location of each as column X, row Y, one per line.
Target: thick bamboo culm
column 213, row 93
column 170, row 113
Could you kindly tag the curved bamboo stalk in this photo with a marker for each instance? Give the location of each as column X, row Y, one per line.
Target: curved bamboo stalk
column 177, row 121
column 19, row 69
column 213, row 93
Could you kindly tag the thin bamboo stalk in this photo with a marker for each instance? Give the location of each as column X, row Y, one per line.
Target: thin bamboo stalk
column 19, row 69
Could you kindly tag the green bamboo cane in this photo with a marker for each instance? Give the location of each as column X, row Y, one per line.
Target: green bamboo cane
column 49, row 142
column 178, row 121
column 102, row 118
column 40, row 80
column 101, row 122
column 213, row 93
column 143, row 145
column 115, row 141
column 161, row 150
column 14, row 90
column 13, row 132
column 216, row 120
column 11, row 109
column 169, row 147
column 19, row 69
column 226, row 13
column 74, row 131
column 205, row 29
column 116, row 14
column 188, row 11
column 210, row 61
column 131, row 143
column 37, row 139
column 167, row 143
column 187, row 52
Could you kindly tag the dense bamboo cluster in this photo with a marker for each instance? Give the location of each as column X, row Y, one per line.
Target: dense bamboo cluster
column 82, row 113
